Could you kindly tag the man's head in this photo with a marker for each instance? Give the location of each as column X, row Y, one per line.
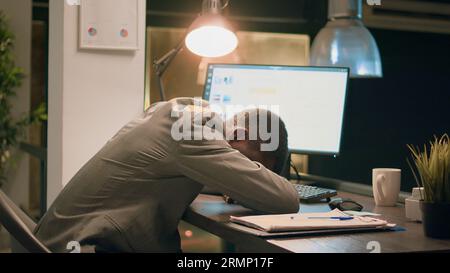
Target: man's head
column 261, row 136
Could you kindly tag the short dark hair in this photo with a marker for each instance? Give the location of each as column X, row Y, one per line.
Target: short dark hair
column 281, row 153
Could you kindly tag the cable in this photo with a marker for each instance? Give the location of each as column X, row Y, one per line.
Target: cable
column 296, row 171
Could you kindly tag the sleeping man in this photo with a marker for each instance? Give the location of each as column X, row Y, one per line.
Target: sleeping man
column 132, row 194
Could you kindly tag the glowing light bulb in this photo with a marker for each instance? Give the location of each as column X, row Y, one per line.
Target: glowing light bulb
column 211, row 41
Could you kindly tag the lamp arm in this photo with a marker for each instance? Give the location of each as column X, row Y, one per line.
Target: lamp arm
column 160, row 66
column 227, row 3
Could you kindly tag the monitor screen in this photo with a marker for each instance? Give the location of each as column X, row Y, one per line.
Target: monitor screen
column 310, row 100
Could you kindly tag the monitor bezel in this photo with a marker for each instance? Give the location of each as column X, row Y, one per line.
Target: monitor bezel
column 296, row 151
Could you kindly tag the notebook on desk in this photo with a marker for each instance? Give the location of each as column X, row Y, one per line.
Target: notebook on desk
column 309, row 223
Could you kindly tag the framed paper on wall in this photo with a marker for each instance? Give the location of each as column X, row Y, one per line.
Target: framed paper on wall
column 106, row 24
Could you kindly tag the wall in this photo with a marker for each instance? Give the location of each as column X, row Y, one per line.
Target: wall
column 91, row 95
column 19, row 16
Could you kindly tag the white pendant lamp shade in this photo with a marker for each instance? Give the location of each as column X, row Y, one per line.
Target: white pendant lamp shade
column 345, row 42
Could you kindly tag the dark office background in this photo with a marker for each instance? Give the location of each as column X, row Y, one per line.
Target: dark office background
column 410, row 104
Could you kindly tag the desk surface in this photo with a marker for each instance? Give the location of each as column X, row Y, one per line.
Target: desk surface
column 210, row 213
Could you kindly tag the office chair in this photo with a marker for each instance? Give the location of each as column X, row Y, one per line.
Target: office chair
column 19, row 225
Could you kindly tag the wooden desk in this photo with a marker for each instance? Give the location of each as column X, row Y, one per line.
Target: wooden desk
column 210, row 213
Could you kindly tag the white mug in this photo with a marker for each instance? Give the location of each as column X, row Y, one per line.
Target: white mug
column 386, row 186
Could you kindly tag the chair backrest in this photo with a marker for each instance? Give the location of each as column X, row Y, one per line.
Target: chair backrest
column 19, row 225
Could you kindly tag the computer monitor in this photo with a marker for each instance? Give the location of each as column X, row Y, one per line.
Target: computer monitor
column 310, row 100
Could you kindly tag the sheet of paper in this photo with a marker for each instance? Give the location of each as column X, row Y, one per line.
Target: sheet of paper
column 360, row 213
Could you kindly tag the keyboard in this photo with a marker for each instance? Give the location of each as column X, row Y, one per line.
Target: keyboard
column 308, row 193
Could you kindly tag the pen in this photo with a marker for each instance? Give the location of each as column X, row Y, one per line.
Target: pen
column 342, row 218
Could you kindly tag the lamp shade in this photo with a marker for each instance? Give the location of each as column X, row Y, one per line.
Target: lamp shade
column 210, row 35
column 347, row 43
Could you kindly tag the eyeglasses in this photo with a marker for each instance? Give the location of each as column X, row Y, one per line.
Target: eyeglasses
column 345, row 204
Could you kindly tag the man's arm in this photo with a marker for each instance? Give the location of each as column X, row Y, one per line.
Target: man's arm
column 216, row 165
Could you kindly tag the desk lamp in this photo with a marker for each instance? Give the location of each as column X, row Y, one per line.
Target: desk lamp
column 210, row 35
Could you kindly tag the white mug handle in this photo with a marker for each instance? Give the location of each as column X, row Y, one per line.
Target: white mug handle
column 380, row 179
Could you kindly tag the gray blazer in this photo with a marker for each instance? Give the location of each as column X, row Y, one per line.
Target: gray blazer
column 132, row 194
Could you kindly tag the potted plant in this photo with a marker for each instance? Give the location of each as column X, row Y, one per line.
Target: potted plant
column 433, row 174
column 11, row 130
